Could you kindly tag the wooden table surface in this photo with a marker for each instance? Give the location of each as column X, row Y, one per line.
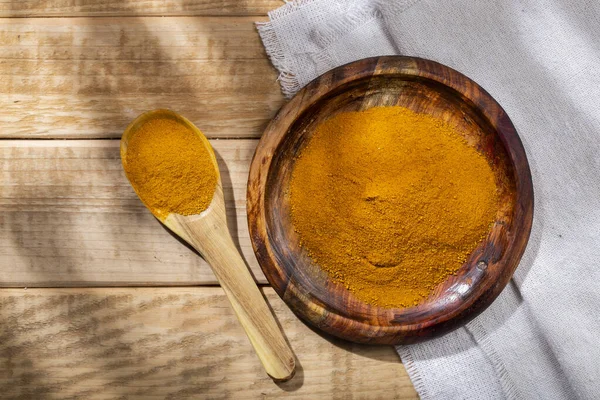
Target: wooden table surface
column 97, row 299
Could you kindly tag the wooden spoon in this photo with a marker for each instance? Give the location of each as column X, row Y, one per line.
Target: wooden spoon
column 207, row 232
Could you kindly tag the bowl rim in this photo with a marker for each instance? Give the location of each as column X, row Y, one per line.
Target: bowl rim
column 276, row 132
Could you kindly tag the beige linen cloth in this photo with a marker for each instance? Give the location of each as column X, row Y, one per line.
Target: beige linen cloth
column 541, row 60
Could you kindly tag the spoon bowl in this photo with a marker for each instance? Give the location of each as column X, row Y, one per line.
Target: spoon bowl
column 207, row 232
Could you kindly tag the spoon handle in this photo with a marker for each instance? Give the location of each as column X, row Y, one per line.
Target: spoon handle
column 250, row 306
column 208, row 233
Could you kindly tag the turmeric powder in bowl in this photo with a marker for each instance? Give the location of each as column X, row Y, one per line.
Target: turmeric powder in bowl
column 390, row 202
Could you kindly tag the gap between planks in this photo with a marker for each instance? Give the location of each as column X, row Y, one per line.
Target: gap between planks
column 69, row 217
column 116, row 8
column 143, row 343
column 81, row 78
column 137, row 15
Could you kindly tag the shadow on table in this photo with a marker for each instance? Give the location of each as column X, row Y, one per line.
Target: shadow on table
column 383, row 353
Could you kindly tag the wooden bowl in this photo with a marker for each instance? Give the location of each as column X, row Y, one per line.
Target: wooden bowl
column 425, row 87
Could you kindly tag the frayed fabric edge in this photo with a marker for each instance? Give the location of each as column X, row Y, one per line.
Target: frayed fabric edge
column 413, row 372
column 476, row 329
column 289, row 7
column 355, row 17
column 287, row 78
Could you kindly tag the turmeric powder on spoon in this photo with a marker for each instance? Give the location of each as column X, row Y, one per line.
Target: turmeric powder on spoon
column 170, row 168
column 390, row 202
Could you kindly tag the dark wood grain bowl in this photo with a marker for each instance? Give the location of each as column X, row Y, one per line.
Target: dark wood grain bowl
column 425, row 87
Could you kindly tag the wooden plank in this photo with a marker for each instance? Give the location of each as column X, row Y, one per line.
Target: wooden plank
column 171, row 343
column 86, row 78
column 78, row 8
column 68, row 217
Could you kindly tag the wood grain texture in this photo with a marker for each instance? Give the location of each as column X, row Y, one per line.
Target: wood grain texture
column 78, row 8
column 69, row 217
column 175, row 343
column 86, row 78
column 424, row 87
